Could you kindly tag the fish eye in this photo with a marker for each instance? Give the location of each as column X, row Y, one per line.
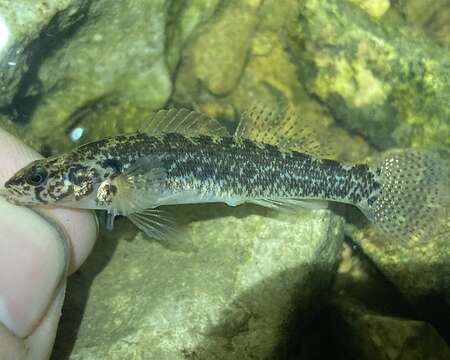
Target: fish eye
column 37, row 176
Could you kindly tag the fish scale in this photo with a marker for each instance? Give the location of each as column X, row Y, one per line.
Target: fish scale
column 268, row 172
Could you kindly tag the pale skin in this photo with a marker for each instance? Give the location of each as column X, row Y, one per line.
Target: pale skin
column 39, row 248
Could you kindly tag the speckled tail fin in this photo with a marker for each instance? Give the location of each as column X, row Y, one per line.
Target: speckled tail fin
column 280, row 127
column 414, row 197
column 185, row 122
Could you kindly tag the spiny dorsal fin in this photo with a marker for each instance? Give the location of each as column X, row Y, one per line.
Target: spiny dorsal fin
column 280, row 128
column 185, row 122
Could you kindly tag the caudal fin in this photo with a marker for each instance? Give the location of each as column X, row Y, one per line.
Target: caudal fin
column 414, row 196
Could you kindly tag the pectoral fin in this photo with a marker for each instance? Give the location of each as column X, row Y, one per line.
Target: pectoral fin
column 136, row 189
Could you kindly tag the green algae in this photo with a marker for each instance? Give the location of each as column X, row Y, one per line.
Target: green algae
column 379, row 79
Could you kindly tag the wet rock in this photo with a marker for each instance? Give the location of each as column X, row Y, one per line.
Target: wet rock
column 230, row 296
column 227, row 38
column 25, row 29
column 375, row 8
column 418, row 268
column 240, row 58
column 391, row 86
column 377, row 78
column 97, row 68
column 367, row 335
column 185, row 17
column 432, row 17
column 370, row 319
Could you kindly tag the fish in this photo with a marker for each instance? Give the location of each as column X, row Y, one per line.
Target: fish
column 185, row 157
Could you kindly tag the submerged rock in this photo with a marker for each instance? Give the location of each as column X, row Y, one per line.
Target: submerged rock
column 366, row 335
column 419, row 269
column 432, row 17
column 26, row 27
column 377, row 78
column 232, row 295
column 98, row 69
column 240, row 58
column 390, row 83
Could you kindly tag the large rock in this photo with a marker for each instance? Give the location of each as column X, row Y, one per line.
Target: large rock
column 365, row 334
column 26, row 28
column 380, row 79
column 240, row 58
column 98, row 69
column 419, row 269
column 230, row 295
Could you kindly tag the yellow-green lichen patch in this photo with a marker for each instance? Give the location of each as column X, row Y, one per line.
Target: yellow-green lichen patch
column 354, row 81
column 375, row 8
column 374, row 76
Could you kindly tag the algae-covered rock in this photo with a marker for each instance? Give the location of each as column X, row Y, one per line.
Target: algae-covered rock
column 184, row 18
column 433, row 17
column 240, row 58
column 26, row 26
column 382, row 80
column 232, row 295
column 228, row 38
column 391, row 84
column 98, row 67
column 375, row 8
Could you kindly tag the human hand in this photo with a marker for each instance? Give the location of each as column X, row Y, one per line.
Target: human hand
column 39, row 247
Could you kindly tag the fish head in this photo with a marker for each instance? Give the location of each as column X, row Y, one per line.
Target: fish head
column 53, row 181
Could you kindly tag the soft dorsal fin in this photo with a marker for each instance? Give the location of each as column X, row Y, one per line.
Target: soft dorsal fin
column 185, row 122
column 280, row 128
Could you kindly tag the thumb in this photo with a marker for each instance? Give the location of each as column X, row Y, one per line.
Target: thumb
column 36, row 250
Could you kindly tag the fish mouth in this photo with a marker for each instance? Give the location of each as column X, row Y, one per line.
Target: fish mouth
column 8, row 189
column 8, row 184
column 13, row 196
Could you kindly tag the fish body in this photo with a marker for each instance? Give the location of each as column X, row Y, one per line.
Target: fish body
column 134, row 174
